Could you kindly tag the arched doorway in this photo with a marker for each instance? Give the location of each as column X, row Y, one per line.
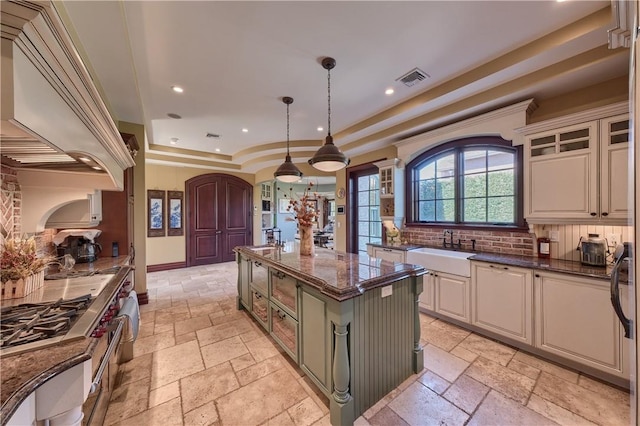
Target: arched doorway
column 218, row 217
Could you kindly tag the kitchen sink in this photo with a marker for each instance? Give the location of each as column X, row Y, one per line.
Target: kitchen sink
column 449, row 261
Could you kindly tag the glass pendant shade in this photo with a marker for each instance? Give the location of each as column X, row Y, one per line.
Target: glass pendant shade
column 329, row 158
column 287, row 172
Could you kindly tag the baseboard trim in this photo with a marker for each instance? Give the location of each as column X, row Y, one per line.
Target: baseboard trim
column 166, row 266
column 143, row 298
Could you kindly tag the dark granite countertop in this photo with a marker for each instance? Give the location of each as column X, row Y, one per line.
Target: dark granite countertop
column 552, row 265
column 340, row 276
column 403, row 247
column 532, row 262
column 23, row 372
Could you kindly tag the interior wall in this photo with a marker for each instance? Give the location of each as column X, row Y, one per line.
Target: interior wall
column 172, row 249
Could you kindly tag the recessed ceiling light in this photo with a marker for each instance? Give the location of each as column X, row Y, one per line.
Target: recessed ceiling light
column 320, row 128
column 96, row 168
column 85, row 159
column 173, row 141
column 245, row 130
column 389, row 91
column 177, row 89
column 217, row 149
column 174, row 115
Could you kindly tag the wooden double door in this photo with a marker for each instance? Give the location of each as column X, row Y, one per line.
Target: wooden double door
column 218, row 218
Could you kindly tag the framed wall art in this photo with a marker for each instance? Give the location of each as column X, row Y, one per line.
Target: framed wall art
column 155, row 214
column 174, row 213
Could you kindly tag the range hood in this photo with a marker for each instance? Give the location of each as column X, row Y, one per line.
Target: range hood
column 52, row 114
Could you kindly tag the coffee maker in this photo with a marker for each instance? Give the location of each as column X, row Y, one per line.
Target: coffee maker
column 78, row 243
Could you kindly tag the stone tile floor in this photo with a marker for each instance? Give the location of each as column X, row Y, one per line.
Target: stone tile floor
column 199, row 361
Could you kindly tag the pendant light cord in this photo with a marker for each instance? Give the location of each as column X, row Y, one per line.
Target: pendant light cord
column 287, row 129
column 329, row 100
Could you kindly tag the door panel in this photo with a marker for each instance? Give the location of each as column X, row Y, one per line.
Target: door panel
column 218, row 218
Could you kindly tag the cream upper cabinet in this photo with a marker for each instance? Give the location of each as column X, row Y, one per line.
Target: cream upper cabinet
column 614, row 167
column 502, row 300
column 562, row 173
column 391, row 176
column 577, row 173
column 574, row 319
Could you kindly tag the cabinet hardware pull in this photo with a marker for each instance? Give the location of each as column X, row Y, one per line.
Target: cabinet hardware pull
column 491, row 266
column 593, row 214
column 280, row 275
column 257, row 263
column 280, row 314
column 505, row 268
column 537, row 275
column 605, row 214
column 384, row 249
column 258, row 295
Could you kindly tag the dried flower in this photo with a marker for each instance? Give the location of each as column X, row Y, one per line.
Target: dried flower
column 19, row 259
column 304, row 209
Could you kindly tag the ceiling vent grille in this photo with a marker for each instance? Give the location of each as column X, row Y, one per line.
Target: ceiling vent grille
column 413, row 77
column 213, row 135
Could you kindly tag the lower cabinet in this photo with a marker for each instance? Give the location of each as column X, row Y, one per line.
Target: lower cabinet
column 452, row 296
column 574, row 319
column 260, row 308
column 315, row 339
column 501, row 300
column 284, row 329
column 391, row 255
column 244, row 272
column 426, row 300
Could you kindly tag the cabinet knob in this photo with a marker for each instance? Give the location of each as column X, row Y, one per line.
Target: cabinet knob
column 490, row 266
column 605, row 214
column 505, row 268
column 593, row 214
column 537, row 275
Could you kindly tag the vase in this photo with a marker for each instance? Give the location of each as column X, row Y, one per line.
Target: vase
column 307, row 247
column 23, row 286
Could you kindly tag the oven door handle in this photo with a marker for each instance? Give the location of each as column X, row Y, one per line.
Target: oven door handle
column 115, row 341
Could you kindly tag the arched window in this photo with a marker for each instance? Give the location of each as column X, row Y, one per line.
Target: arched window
column 472, row 181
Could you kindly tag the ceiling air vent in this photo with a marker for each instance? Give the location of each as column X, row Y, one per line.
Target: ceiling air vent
column 213, row 135
column 413, row 77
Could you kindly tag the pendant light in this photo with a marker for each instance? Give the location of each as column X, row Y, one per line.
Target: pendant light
column 329, row 158
column 287, row 172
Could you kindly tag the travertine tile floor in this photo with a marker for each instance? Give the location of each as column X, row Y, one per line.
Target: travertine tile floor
column 199, row 361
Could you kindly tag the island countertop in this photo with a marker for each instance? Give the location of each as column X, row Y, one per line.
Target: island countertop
column 339, row 275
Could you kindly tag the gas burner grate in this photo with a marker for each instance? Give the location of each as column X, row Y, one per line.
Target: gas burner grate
column 31, row 322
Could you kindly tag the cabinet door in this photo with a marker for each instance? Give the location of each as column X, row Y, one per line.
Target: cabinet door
column 561, row 174
column 391, row 255
column 574, row 319
column 284, row 290
column 452, row 296
column 614, row 161
column 315, row 339
column 259, row 277
column 427, row 297
column 501, row 297
column 284, row 330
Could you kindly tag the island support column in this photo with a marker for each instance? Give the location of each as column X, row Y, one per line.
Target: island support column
column 341, row 404
column 418, row 357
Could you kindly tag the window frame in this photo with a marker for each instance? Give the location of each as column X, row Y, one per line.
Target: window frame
column 457, row 147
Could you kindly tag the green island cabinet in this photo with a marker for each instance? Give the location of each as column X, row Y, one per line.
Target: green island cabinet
column 350, row 322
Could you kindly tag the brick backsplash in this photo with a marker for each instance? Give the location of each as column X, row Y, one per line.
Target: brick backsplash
column 506, row 242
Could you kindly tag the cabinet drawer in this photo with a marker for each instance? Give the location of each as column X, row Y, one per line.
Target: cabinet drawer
column 259, row 277
column 259, row 307
column 284, row 329
column 284, row 290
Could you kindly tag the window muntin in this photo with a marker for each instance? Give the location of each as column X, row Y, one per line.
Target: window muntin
column 475, row 184
column 369, row 225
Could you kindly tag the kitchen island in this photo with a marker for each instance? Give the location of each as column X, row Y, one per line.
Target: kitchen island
column 24, row 372
column 350, row 322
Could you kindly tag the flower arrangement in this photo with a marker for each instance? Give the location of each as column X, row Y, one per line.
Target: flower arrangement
column 304, row 209
column 19, row 259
